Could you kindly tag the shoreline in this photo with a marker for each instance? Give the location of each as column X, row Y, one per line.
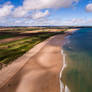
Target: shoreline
column 41, row 68
column 64, row 65
column 72, row 30
column 54, row 44
column 64, row 88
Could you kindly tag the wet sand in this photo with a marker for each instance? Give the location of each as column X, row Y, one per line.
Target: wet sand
column 41, row 73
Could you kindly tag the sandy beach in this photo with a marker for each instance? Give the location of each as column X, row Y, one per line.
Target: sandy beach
column 41, row 72
column 38, row 70
column 71, row 30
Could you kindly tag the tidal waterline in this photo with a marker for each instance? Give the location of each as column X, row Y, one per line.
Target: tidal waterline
column 77, row 75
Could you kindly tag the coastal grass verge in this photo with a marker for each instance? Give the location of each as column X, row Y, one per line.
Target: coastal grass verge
column 5, row 36
column 12, row 50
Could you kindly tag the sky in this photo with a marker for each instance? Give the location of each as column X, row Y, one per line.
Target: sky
column 45, row 12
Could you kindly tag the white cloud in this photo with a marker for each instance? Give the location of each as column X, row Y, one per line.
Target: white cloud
column 39, row 14
column 89, row 7
column 30, row 5
column 46, row 22
column 42, row 22
column 77, row 21
column 19, row 12
column 18, row 21
column 6, row 10
column 33, row 9
column 42, row 4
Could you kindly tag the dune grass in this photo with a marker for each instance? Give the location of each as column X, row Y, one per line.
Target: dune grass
column 12, row 50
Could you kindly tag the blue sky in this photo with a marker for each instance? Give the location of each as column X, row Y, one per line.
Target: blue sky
column 42, row 12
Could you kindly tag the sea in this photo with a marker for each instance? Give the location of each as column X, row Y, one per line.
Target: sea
column 77, row 71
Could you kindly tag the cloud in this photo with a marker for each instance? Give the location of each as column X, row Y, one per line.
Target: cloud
column 19, row 12
column 89, row 7
column 42, row 22
column 46, row 22
column 31, row 12
column 44, row 4
column 39, row 14
column 6, row 10
column 77, row 21
column 31, row 5
column 74, row 21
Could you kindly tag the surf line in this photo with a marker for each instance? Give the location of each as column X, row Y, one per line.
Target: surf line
column 63, row 87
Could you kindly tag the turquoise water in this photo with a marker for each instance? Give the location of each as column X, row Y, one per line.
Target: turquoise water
column 78, row 73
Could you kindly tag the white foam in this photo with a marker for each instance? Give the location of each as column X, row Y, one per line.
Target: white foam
column 63, row 88
column 67, row 37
